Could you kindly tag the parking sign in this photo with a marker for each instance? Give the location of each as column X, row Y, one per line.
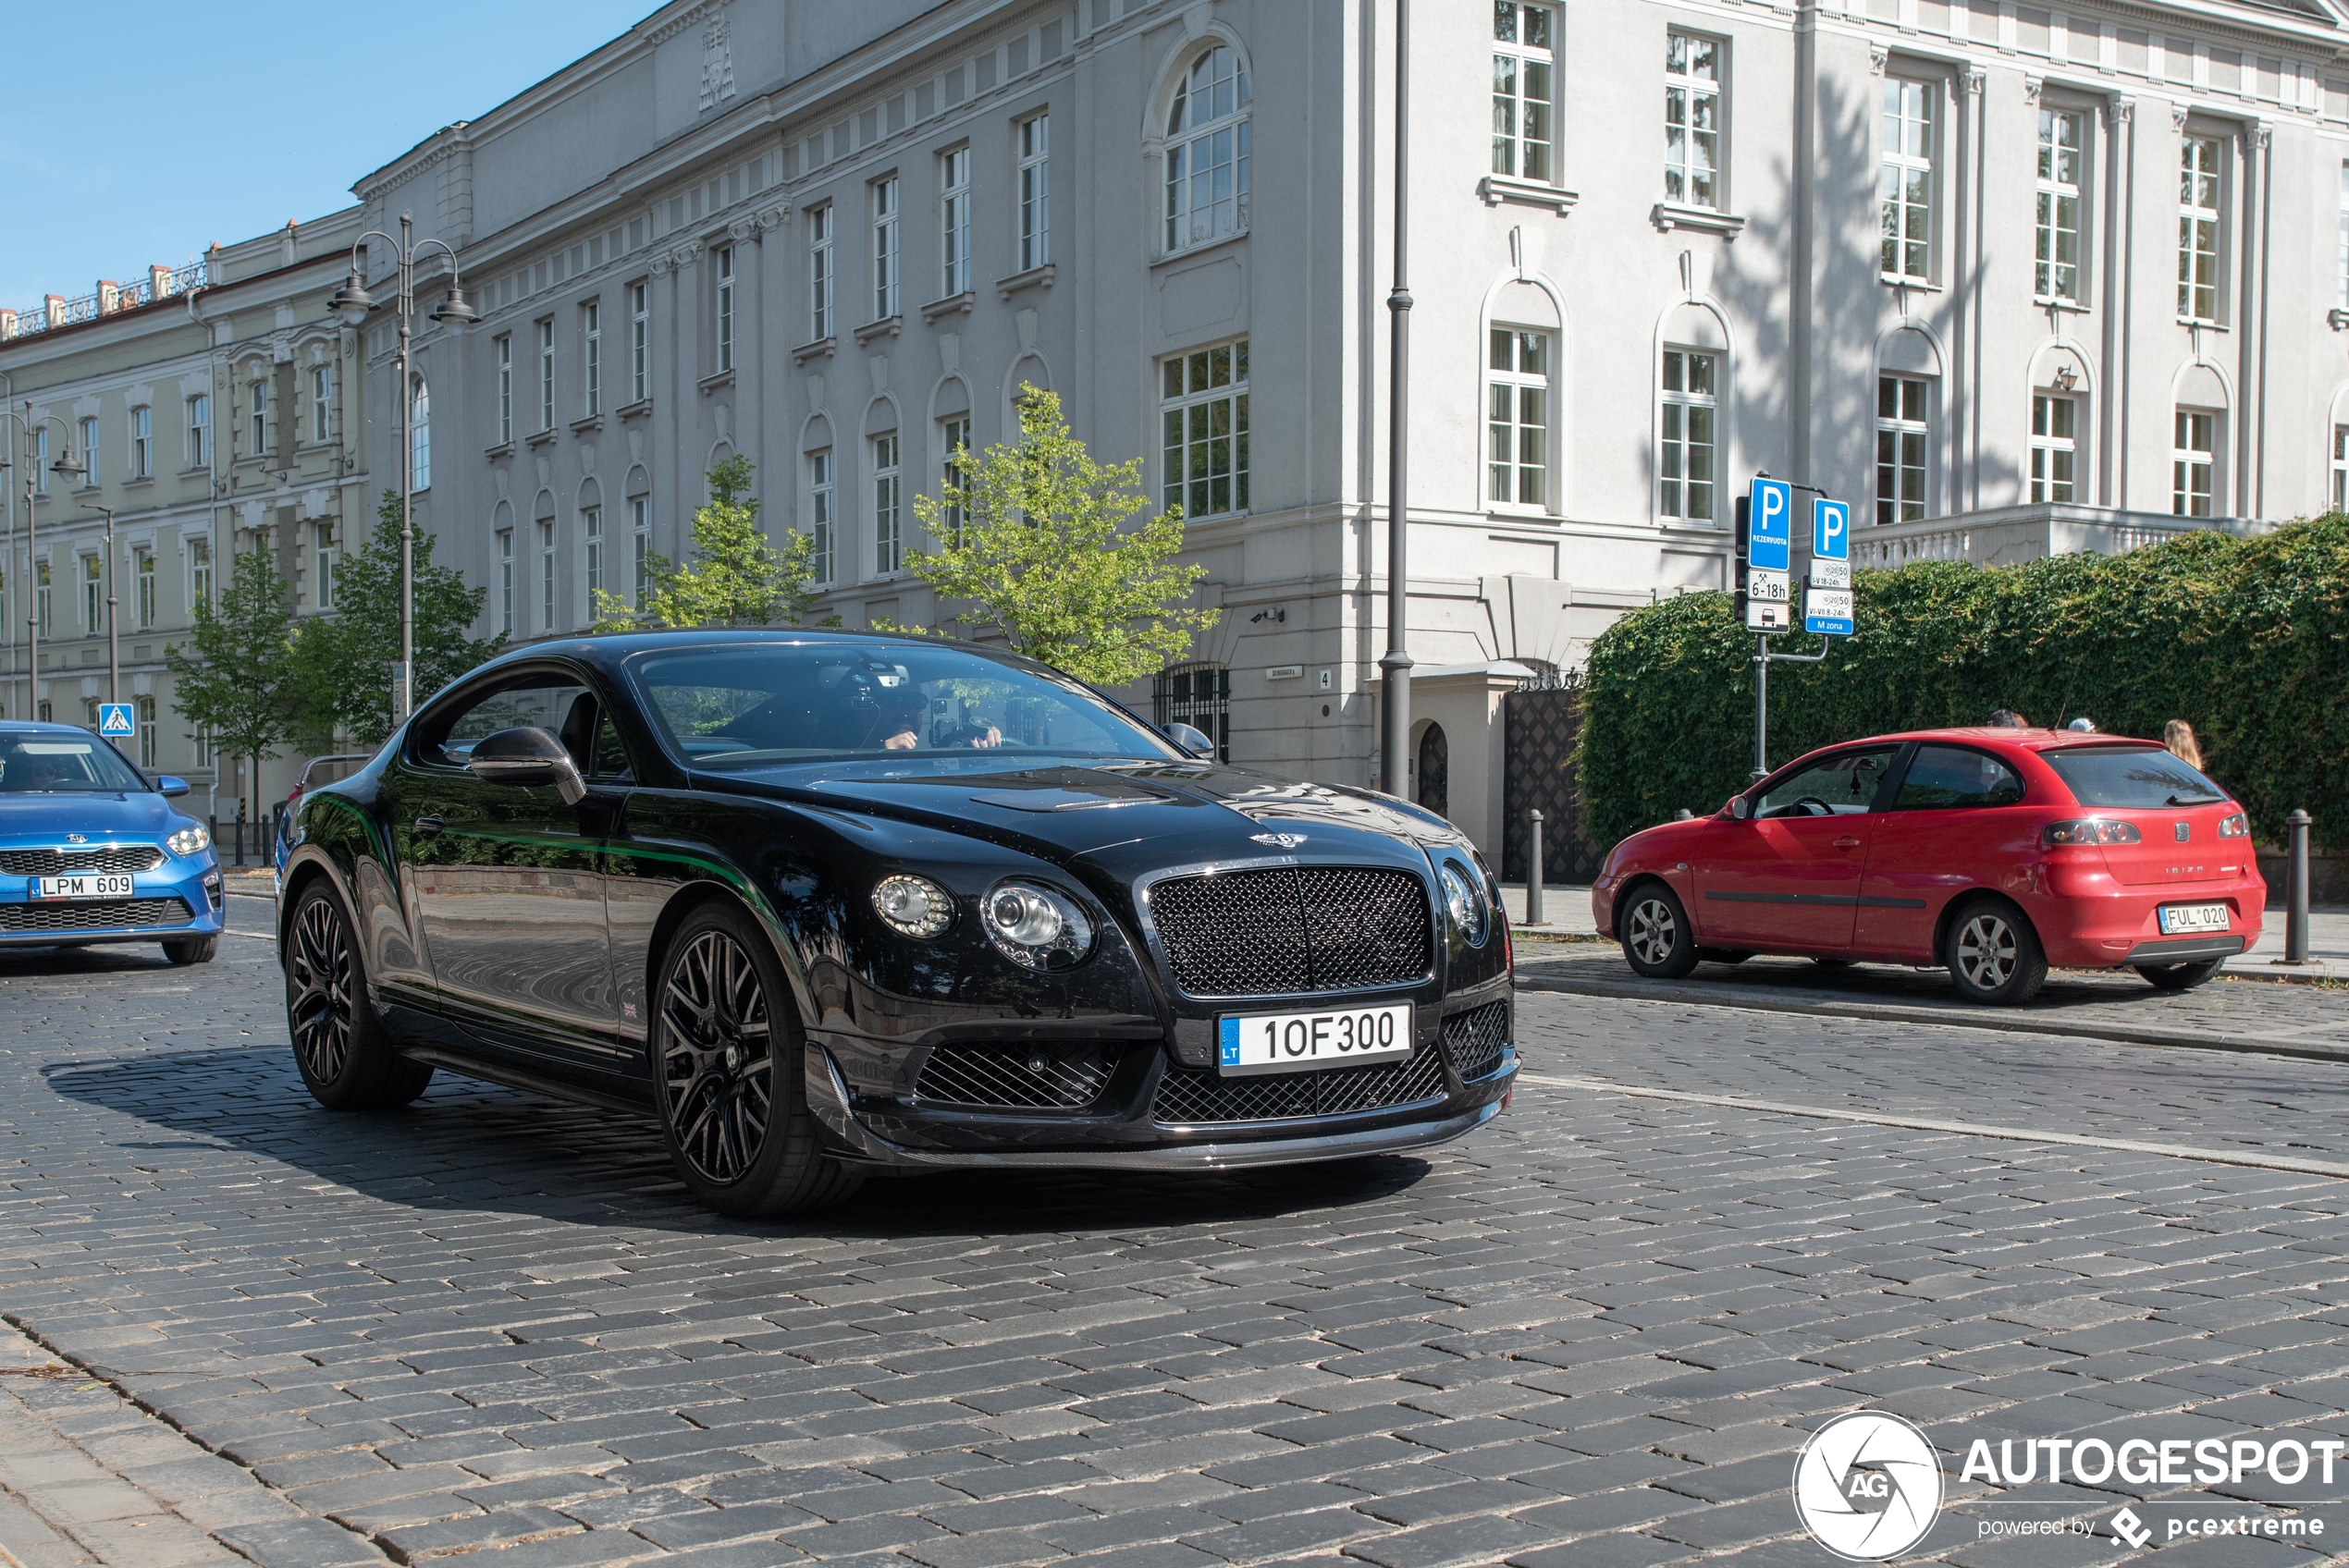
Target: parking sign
column 1831, row 530
column 1770, row 525
column 114, row 721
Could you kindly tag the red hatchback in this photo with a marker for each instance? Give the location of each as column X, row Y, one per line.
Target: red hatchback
column 1991, row 852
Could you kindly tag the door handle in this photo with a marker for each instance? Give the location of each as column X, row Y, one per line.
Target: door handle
column 1846, row 842
column 429, row 826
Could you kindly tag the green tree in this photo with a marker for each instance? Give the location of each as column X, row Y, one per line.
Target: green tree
column 736, row 578
column 343, row 662
column 1031, row 539
column 239, row 684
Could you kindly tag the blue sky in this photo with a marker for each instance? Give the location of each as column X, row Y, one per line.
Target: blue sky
column 141, row 132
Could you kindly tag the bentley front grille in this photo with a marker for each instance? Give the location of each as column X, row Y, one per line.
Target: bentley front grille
column 1293, row 929
column 1014, row 1077
column 1189, row 1097
column 1475, row 1039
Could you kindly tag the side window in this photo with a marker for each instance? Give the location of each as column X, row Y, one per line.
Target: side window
column 1839, row 785
column 447, row 738
column 1944, row 777
column 611, row 757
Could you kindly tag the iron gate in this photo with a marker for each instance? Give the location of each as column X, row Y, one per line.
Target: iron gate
column 1539, row 727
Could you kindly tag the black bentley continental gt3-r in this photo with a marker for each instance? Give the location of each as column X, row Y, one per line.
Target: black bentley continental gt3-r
column 831, row 901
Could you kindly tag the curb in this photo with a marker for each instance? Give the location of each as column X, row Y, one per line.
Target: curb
column 1894, row 1013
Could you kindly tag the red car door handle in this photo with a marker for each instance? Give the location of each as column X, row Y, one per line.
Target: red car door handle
column 1846, row 842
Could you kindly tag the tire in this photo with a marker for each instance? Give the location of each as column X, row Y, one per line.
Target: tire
column 2180, row 976
column 1993, row 955
column 341, row 1047
column 1655, row 932
column 730, row 1072
column 191, row 949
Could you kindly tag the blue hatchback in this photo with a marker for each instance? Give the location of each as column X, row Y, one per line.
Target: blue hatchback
column 90, row 852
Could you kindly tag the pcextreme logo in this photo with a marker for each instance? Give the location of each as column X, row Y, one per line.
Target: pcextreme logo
column 1867, row 1485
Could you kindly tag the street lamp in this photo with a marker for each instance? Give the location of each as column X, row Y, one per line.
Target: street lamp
column 352, row 304
column 64, row 467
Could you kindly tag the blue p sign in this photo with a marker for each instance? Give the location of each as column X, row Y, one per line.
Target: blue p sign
column 1831, row 529
column 1769, row 525
column 114, row 721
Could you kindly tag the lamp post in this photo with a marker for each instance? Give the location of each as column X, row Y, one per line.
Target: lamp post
column 351, row 304
column 113, row 644
column 1394, row 754
column 64, row 467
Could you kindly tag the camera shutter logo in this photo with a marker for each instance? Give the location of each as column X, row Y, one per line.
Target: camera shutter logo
column 1867, row 1485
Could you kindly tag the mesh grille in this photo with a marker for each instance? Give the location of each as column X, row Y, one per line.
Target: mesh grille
column 1006, row 1077
column 1473, row 1039
column 93, row 914
column 57, row 863
column 1278, row 933
column 1188, row 1096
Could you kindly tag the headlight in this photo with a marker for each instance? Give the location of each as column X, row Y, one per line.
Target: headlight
column 914, row 905
column 1037, row 928
column 1465, row 903
column 187, row 841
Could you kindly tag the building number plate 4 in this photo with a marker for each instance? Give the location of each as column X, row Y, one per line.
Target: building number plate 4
column 1297, row 1042
column 106, row 887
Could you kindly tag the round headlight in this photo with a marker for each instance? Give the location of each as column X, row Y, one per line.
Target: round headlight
column 187, row 841
column 1465, row 903
column 1037, row 928
column 914, row 905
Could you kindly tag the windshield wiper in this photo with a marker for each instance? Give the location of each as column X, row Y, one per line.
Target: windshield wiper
column 2196, row 800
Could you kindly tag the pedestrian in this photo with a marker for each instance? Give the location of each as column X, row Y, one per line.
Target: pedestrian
column 2007, row 718
column 2178, row 736
column 2083, row 723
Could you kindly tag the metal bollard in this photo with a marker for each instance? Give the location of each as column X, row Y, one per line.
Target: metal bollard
column 2295, row 890
column 1533, row 868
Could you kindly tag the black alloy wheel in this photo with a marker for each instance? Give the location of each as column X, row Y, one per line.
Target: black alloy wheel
column 2180, row 976
column 1655, row 935
column 340, row 1046
column 1993, row 954
column 727, row 1054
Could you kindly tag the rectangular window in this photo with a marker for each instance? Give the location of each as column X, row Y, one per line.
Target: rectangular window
column 203, row 741
column 326, row 566
column 547, row 374
column 547, row 574
column 888, row 547
column 321, row 402
column 2057, row 263
column 1906, row 190
column 1901, row 431
column 260, row 418
column 2191, row 460
column 199, row 431
column 505, row 389
column 955, row 220
column 591, row 534
column 142, row 443
column 640, row 523
column 93, row 594
column 2340, row 267
column 1691, row 120
column 2341, row 468
column 146, row 710
column 639, row 344
column 723, row 260
column 955, row 435
column 1517, row 417
column 42, row 607
column 1035, row 191
column 2055, row 451
column 90, row 451
column 1691, row 406
column 198, row 573
column 40, row 461
column 1524, row 79
column 1203, row 413
column 506, row 581
column 2198, row 231
column 1207, row 152
column 142, row 586
column 885, row 248
column 420, row 436
column 820, row 272
column 819, row 516
column 591, row 336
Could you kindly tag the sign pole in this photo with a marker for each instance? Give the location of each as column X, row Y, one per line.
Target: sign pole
column 1761, row 706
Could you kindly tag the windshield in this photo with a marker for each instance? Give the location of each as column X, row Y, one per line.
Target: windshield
column 61, row 764
column 2132, row 778
column 745, row 705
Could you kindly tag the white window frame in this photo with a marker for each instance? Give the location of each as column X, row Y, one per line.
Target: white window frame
column 419, row 435
column 591, row 539
column 2062, row 206
column 260, row 395
column 1511, row 393
column 722, row 268
column 143, row 442
column 822, row 498
column 2194, row 470
column 885, row 230
column 889, row 525
column 2054, row 452
column 1905, row 193
column 1203, row 430
column 820, row 272
column 954, row 221
column 505, row 346
column 1910, row 430
column 198, row 573
column 90, row 473
column 1683, row 494
column 591, row 342
column 146, row 708
column 547, row 574
column 546, row 374
column 1207, row 154
column 1032, row 137
column 506, row 581
column 2202, row 241
column 2341, row 264
column 1526, row 39
column 200, row 431
column 954, row 436
column 325, row 543
column 640, row 524
column 639, row 343
column 144, row 603
column 94, row 593
column 2341, row 468
column 40, row 444
column 44, row 599
column 1693, row 120
column 321, row 402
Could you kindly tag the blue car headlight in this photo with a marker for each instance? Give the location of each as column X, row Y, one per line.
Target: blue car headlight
column 188, row 841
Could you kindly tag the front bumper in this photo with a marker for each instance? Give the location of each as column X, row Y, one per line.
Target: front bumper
column 146, row 916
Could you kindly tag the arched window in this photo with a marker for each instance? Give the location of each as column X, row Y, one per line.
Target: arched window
column 1207, row 152
column 1200, row 696
column 419, row 435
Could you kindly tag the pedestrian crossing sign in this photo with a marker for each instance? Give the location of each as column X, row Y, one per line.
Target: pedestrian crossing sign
column 114, row 721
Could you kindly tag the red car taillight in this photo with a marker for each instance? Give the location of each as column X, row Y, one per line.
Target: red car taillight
column 2089, row 830
column 2234, row 825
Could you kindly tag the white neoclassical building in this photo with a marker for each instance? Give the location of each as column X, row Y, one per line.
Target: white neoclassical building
column 2013, row 280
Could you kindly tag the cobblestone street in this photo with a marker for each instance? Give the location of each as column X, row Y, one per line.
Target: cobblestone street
column 1594, row 1333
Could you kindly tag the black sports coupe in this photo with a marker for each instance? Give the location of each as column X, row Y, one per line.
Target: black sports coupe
column 831, row 901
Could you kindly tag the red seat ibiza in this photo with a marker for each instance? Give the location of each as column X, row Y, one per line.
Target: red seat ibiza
column 1991, row 852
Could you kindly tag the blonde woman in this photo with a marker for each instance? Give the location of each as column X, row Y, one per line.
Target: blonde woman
column 2178, row 736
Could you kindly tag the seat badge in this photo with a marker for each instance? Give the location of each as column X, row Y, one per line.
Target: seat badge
column 1278, row 841
column 2183, row 831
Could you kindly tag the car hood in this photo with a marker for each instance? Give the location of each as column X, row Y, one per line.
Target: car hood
column 101, row 817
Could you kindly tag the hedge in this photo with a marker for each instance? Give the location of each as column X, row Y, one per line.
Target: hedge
column 2248, row 640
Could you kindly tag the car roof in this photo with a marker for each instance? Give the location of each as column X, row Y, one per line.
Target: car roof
column 32, row 727
column 2033, row 739
column 609, row 650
